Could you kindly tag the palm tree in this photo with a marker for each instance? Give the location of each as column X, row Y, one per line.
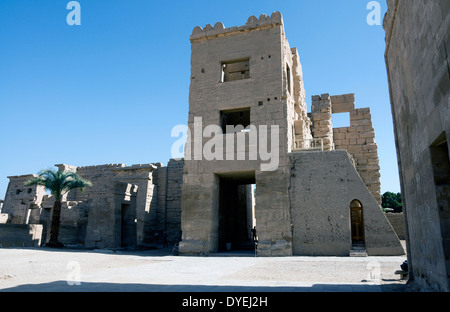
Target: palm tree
column 58, row 183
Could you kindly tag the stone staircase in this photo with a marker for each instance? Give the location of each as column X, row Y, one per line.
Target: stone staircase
column 358, row 251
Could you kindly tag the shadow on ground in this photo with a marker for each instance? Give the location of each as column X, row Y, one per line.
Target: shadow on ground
column 143, row 252
column 63, row 286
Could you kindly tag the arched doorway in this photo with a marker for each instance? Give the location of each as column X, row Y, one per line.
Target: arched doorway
column 357, row 222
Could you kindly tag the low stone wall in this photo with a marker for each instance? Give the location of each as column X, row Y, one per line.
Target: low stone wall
column 398, row 223
column 20, row 235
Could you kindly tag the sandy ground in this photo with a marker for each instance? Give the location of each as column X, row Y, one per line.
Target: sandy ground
column 105, row 270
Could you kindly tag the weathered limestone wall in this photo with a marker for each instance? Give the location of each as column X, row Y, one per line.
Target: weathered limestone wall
column 168, row 216
column 95, row 217
column 143, row 177
column 101, row 229
column 418, row 64
column 321, row 116
column 20, row 199
column 20, row 235
column 321, row 224
column 154, row 200
column 302, row 123
column 358, row 139
column 398, row 224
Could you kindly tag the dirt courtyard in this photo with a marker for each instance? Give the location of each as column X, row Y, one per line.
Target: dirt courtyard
column 67, row 270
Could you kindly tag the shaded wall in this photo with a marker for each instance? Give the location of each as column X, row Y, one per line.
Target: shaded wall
column 20, row 235
column 418, row 64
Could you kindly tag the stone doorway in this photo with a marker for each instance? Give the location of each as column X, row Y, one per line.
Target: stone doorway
column 128, row 226
column 440, row 159
column 357, row 223
column 236, row 212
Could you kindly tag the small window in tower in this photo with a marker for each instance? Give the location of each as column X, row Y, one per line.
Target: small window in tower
column 235, row 70
column 288, row 74
column 235, row 120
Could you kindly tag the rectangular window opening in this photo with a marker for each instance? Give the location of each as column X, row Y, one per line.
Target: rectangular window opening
column 341, row 120
column 288, row 73
column 236, row 70
column 233, row 121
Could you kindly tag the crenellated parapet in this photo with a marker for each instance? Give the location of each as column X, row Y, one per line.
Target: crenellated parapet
column 99, row 168
column 264, row 21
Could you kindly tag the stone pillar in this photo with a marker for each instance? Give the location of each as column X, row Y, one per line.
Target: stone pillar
column 321, row 114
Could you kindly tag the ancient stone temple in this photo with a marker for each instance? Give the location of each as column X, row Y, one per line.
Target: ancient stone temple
column 125, row 207
column 317, row 192
column 255, row 160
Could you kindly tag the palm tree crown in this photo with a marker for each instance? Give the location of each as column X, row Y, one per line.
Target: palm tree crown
column 58, row 183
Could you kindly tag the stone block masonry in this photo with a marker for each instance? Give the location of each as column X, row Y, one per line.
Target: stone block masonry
column 418, row 66
column 20, row 235
column 123, row 208
column 358, row 139
column 322, row 126
column 321, row 224
column 264, row 93
column 168, row 216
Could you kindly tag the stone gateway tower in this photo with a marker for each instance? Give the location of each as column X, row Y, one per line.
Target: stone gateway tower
column 239, row 77
column 255, row 158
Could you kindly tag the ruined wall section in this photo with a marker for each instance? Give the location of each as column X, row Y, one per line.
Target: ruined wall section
column 302, row 123
column 20, row 200
column 359, row 141
column 321, row 116
column 169, row 184
column 93, row 217
column 142, row 176
column 292, row 99
column 100, row 227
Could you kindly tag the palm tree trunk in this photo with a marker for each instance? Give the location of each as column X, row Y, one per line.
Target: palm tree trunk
column 54, row 230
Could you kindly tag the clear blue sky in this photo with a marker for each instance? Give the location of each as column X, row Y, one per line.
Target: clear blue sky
column 110, row 90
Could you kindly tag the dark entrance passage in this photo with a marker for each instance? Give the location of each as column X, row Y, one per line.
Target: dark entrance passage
column 128, row 226
column 236, row 211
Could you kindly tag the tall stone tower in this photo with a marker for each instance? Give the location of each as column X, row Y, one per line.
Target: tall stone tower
column 246, row 76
